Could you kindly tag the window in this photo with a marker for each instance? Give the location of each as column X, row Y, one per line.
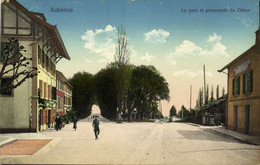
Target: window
column 53, row 93
column 4, row 51
column 236, row 86
column 5, row 83
column 248, row 82
column 60, row 104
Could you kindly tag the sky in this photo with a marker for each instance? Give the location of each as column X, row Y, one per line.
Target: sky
column 178, row 37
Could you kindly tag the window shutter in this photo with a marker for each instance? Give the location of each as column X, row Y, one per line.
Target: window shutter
column 251, row 81
column 244, row 83
column 238, row 84
column 233, row 87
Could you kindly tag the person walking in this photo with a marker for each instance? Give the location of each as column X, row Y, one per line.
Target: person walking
column 95, row 125
column 75, row 121
column 58, row 123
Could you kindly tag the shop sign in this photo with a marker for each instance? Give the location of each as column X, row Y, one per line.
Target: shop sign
column 242, row 67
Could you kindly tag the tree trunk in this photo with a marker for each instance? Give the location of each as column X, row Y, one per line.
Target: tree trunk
column 138, row 116
column 130, row 115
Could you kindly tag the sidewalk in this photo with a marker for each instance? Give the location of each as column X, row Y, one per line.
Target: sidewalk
column 10, row 137
column 255, row 140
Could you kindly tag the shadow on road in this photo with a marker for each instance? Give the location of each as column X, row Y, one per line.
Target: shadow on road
column 207, row 136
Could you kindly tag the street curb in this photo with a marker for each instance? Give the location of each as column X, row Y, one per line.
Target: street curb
column 246, row 141
column 9, row 140
column 238, row 139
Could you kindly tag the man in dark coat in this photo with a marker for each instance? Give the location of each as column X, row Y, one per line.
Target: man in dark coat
column 75, row 120
column 95, row 125
column 58, row 123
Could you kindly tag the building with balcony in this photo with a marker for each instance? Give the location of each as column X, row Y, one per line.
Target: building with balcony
column 31, row 106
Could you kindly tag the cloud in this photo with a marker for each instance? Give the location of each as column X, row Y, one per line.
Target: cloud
column 101, row 41
column 173, row 62
column 191, row 74
column 157, row 36
column 147, row 57
column 214, row 38
column 246, row 21
column 102, row 61
column 188, row 48
column 88, row 61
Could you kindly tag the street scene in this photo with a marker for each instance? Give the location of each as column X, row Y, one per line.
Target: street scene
column 139, row 143
column 130, row 82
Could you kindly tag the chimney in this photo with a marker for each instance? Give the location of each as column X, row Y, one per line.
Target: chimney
column 257, row 37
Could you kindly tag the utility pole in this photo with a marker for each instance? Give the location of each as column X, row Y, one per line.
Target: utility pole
column 204, row 85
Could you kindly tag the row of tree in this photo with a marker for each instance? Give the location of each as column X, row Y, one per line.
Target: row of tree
column 120, row 88
column 200, row 103
column 145, row 87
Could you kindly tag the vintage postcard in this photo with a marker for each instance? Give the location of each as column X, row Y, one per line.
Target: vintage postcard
column 130, row 82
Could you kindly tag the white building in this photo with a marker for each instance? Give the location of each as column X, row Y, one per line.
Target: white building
column 23, row 110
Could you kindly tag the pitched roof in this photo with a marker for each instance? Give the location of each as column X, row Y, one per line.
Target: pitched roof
column 52, row 31
column 62, row 77
column 254, row 48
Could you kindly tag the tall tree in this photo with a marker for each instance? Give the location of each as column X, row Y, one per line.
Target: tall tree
column 212, row 94
column 207, row 95
column 15, row 66
column 148, row 87
column 122, row 57
column 200, row 99
column 217, row 92
column 223, row 91
column 83, row 93
column 173, row 111
column 106, row 97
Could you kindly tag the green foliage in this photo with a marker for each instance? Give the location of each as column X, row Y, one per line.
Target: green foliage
column 186, row 113
column 173, row 111
column 223, row 91
column 106, row 97
column 147, row 88
column 212, row 94
column 217, row 92
column 65, row 118
column 83, row 93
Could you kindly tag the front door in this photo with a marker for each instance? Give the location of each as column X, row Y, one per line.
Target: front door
column 40, row 120
column 49, row 118
column 247, row 119
column 235, row 118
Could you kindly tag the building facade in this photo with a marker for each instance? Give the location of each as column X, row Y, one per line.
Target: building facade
column 31, row 106
column 64, row 94
column 243, row 113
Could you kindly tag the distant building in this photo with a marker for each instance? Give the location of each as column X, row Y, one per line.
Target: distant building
column 215, row 112
column 243, row 113
column 31, row 106
column 64, row 94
